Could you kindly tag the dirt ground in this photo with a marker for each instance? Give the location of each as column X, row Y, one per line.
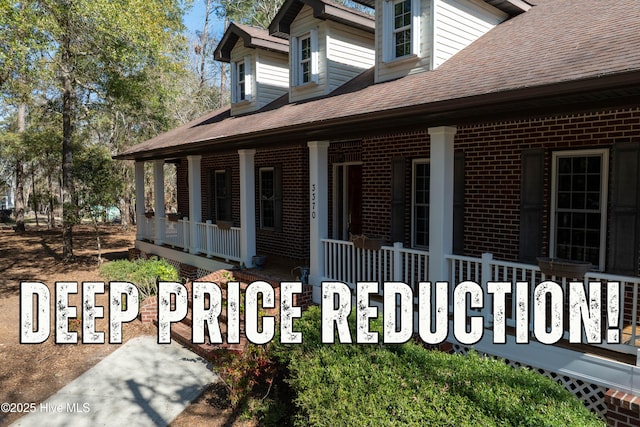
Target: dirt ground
column 30, row 373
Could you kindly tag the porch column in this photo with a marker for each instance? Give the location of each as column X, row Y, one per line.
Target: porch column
column 247, row 206
column 195, row 201
column 318, row 209
column 139, row 177
column 158, row 203
column 441, row 201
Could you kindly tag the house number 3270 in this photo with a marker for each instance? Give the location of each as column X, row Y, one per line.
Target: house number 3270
column 313, row 201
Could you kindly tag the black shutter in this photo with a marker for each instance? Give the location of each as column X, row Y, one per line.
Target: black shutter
column 228, row 195
column 458, row 203
column 623, row 249
column 531, row 204
column 211, row 194
column 397, row 199
column 277, row 184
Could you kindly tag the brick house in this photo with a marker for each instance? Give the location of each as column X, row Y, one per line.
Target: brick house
column 468, row 137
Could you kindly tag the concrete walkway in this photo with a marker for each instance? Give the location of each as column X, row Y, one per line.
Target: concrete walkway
column 140, row 384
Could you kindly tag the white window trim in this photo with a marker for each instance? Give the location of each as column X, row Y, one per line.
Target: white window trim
column 388, row 44
column 296, row 69
column 413, row 201
column 604, row 185
column 248, row 81
column 260, row 170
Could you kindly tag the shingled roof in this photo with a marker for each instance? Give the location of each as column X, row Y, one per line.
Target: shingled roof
column 252, row 37
column 569, row 52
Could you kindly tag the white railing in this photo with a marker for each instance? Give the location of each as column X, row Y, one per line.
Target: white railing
column 343, row 262
column 146, row 227
column 210, row 239
column 486, row 269
column 214, row 241
column 175, row 233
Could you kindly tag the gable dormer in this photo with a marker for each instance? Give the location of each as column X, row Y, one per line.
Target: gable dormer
column 259, row 66
column 329, row 44
column 420, row 35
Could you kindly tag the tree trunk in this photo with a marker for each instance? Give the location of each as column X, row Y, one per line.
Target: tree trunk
column 19, row 200
column 68, row 208
column 33, row 194
column 51, row 217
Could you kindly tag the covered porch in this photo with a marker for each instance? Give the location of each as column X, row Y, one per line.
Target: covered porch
column 207, row 244
column 607, row 364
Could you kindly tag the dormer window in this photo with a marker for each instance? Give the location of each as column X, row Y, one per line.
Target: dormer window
column 240, row 81
column 305, row 58
column 241, row 85
column 402, row 27
column 401, row 32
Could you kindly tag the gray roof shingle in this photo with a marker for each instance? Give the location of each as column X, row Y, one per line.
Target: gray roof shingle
column 553, row 45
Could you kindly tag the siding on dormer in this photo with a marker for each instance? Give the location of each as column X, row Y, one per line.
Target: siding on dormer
column 446, row 27
column 302, row 25
column 458, row 23
column 272, row 76
column 343, row 53
column 269, row 77
column 403, row 67
column 349, row 53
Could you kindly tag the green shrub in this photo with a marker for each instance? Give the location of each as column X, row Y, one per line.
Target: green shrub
column 409, row 385
column 143, row 273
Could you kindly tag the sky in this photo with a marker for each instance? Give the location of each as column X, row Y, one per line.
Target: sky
column 194, row 20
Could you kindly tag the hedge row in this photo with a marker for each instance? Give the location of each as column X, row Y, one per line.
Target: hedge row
column 400, row 385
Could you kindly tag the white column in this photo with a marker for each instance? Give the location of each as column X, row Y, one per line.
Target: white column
column 247, row 206
column 318, row 208
column 139, row 177
column 195, row 201
column 158, row 203
column 441, row 201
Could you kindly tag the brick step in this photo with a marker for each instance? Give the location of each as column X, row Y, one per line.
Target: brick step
column 182, row 334
column 222, row 318
column 223, row 315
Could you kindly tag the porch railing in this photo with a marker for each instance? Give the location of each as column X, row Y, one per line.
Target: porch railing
column 485, row 269
column 343, row 262
column 211, row 240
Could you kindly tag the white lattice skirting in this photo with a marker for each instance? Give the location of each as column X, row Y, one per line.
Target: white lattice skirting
column 591, row 395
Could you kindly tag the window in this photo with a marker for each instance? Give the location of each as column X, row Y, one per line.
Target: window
column 223, row 195
column 579, row 206
column 305, row 58
column 241, row 80
column 420, row 204
column 270, row 198
column 401, row 29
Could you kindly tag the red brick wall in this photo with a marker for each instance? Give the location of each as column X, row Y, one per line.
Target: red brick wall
column 492, row 177
column 623, row 410
column 377, row 154
column 209, row 165
column 492, row 171
column 293, row 240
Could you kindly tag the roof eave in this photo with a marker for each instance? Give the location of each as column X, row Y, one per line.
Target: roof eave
column 512, row 7
column 446, row 112
column 281, row 24
column 234, row 32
